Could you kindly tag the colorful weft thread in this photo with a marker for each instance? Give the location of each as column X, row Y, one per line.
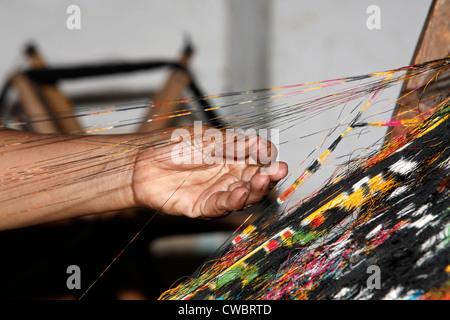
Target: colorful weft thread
column 392, row 211
column 322, row 247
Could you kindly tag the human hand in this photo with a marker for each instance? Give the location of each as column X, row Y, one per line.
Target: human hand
column 211, row 178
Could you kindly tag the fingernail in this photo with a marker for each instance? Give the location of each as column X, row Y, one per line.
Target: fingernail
column 244, row 197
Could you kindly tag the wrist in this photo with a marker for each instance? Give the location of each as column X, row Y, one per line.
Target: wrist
column 113, row 187
column 121, row 178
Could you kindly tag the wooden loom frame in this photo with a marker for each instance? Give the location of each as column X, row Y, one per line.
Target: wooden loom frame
column 433, row 44
column 432, row 33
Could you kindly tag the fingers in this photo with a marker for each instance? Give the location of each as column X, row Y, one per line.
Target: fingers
column 276, row 171
column 262, row 151
column 223, row 202
column 259, row 186
column 202, row 145
column 261, row 182
column 241, row 194
column 249, row 149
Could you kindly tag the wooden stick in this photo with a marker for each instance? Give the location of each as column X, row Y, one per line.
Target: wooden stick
column 32, row 105
column 434, row 43
column 58, row 103
column 173, row 89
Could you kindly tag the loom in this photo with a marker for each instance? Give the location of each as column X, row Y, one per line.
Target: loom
column 389, row 212
column 388, row 209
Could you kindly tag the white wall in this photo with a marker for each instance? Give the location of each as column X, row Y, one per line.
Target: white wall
column 115, row 30
column 323, row 39
column 308, row 40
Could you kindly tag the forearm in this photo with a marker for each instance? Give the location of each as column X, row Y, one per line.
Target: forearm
column 48, row 178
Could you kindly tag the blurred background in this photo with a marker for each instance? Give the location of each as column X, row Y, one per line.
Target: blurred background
column 234, row 46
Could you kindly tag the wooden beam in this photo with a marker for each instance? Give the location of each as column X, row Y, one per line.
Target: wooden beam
column 58, row 103
column 172, row 90
column 32, row 105
column 434, row 43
